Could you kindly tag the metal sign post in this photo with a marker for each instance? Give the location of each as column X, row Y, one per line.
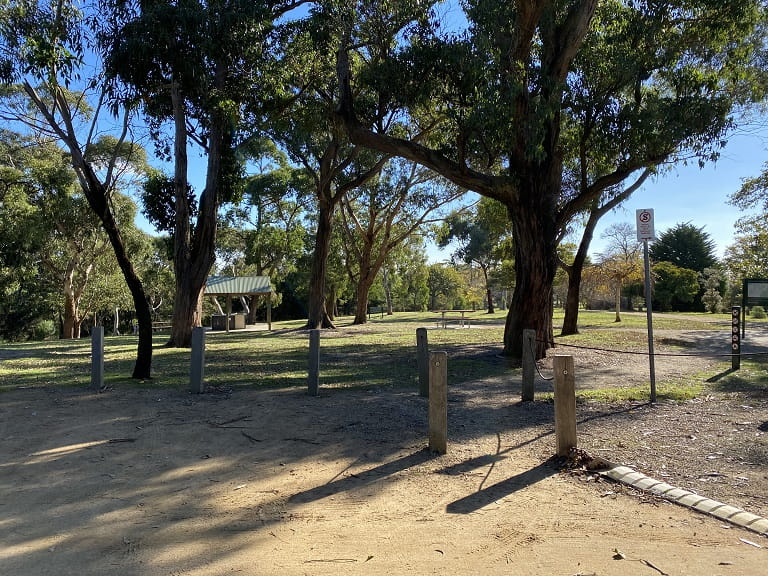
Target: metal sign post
column 645, row 232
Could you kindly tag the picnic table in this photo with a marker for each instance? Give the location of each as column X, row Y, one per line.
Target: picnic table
column 454, row 315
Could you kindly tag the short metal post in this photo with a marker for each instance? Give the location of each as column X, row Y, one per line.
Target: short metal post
column 422, row 361
column 197, row 361
column 565, row 404
column 97, row 358
column 529, row 357
column 313, row 381
column 438, row 402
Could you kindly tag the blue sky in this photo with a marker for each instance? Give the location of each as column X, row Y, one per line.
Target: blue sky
column 687, row 193
column 697, row 195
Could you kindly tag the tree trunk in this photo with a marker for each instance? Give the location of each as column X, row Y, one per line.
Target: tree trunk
column 388, row 292
column 535, row 238
column 575, row 272
column 617, row 297
column 194, row 251
column 252, row 306
column 70, row 311
column 489, row 296
column 97, row 195
column 363, row 289
column 318, row 316
column 488, row 291
column 331, row 310
column 368, row 273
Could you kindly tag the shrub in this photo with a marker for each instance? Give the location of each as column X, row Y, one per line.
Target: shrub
column 757, row 312
column 42, row 329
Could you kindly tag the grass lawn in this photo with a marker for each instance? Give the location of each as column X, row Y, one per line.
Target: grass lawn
column 379, row 354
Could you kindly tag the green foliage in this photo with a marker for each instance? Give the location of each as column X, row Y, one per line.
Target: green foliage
column 409, row 276
column 43, row 329
column 481, row 235
column 673, row 286
column 747, row 257
column 713, row 282
column 685, row 246
column 757, row 312
column 159, row 200
column 445, row 287
column 546, row 106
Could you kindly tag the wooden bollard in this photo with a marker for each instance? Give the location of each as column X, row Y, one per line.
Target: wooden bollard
column 97, row 358
column 313, row 381
column 422, row 361
column 197, row 361
column 438, row 402
column 529, row 357
column 565, row 404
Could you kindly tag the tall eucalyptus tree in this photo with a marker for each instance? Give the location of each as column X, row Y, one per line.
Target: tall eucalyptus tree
column 511, row 93
column 382, row 214
column 43, row 47
column 195, row 67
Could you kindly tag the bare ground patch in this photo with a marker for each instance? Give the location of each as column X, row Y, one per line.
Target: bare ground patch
column 147, row 482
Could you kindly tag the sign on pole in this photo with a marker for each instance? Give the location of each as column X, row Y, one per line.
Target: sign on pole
column 645, row 234
column 645, row 231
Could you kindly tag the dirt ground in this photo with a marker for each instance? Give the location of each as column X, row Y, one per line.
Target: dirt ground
column 160, row 482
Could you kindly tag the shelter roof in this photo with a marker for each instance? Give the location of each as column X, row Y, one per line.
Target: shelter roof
column 238, row 285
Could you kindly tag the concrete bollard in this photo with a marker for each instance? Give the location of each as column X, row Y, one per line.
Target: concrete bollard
column 422, row 361
column 97, row 358
column 529, row 358
column 565, row 404
column 438, row 402
column 313, row 380
column 197, row 361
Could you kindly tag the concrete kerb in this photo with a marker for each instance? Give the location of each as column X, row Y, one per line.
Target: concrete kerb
column 725, row 512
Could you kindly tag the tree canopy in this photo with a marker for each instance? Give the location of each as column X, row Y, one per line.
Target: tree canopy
column 510, row 100
column 685, row 246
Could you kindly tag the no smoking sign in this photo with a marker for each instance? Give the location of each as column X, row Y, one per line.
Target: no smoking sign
column 644, row 225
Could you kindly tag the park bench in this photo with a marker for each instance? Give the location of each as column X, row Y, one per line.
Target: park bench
column 374, row 310
column 160, row 326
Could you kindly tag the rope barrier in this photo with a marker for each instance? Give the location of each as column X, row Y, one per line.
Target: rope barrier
column 666, row 354
column 536, row 364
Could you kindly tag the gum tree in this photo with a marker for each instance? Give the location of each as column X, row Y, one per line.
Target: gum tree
column 43, row 46
column 195, row 67
column 511, row 94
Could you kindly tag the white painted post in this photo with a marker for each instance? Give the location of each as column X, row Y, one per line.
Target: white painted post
column 565, row 404
column 197, row 361
column 97, row 358
column 438, row 402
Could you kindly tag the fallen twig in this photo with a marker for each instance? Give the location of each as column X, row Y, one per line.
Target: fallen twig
column 251, row 438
